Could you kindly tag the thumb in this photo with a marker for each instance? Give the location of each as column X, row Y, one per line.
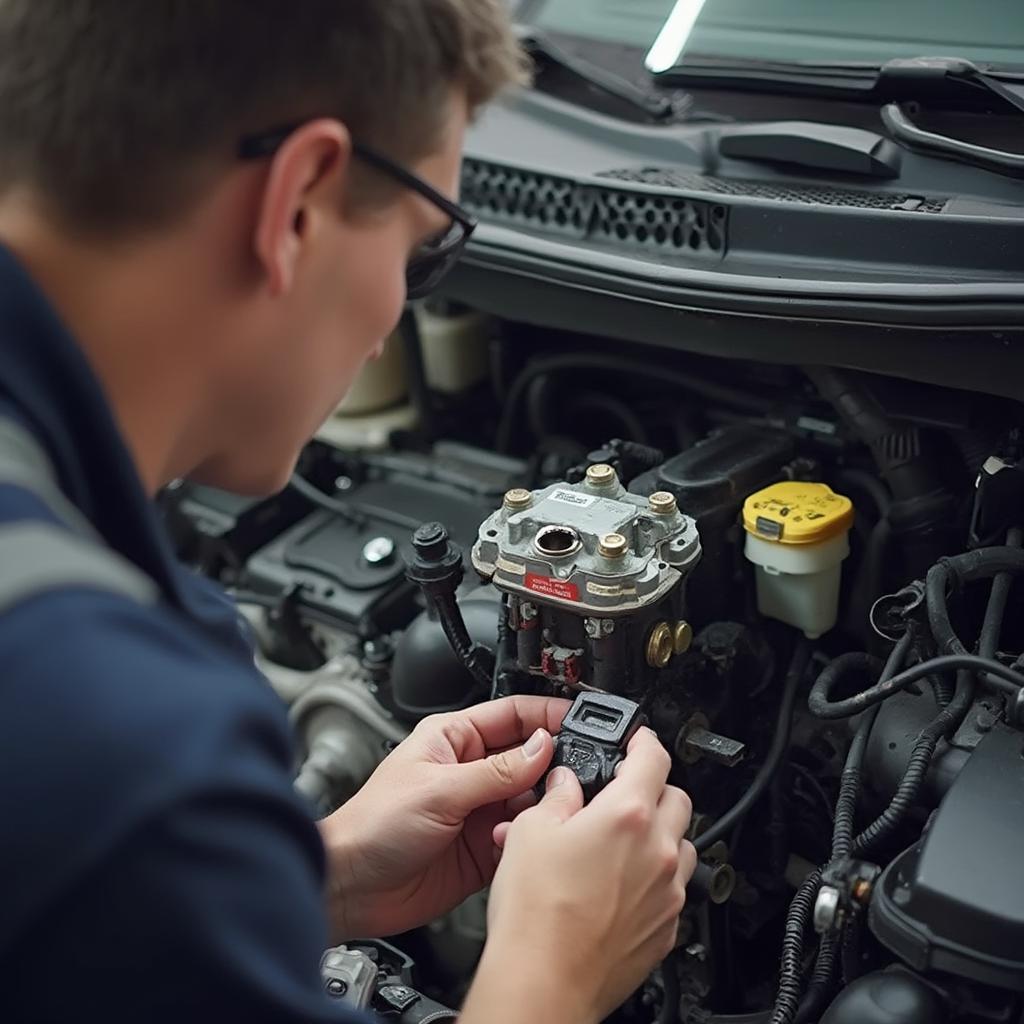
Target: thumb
column 563, row 797
column 505, row 775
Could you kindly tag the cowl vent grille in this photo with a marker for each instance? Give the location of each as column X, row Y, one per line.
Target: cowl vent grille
column 808, row 194
column 619, row 217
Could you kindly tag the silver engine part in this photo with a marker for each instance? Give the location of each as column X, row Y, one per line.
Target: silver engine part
column 593, row 575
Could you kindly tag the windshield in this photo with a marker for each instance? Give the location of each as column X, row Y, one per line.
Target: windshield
column 823, row 31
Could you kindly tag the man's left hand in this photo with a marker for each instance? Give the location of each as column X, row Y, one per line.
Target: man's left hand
column 418, row 837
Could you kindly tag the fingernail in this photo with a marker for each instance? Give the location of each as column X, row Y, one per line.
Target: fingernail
column 559, row 777
column 535, row 744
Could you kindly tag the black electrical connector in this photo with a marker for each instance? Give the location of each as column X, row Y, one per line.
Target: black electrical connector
column 435, row 565
column 593, row 740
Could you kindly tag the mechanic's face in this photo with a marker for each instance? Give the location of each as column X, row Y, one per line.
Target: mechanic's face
column 335, row 290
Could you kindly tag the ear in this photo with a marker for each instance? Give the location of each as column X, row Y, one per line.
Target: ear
column 310, row 167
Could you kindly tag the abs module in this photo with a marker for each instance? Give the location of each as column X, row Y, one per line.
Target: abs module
column 594, row 579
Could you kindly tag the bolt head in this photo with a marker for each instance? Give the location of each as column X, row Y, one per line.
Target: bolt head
column 379, row 551
column 518, row 499
column 663, row 504
column 612, row 545
column 431, row 541
column 601, row 475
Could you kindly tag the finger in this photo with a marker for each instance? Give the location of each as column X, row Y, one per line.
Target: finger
column 496, row 725
column 674, row 811
column 499, row 777
column 644, row 771
column 520, row 803
column 562, row 798
column 687, row 861
column 501, row 834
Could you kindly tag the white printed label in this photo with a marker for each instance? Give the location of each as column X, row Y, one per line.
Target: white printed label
column 573, row 498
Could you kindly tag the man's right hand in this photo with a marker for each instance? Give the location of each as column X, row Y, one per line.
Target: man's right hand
column 586, row 900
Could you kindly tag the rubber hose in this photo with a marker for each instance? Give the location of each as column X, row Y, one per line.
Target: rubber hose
column 837, row 672
column 462, row 643
column 984, row 563
column 503, row 650
column 780, row 742
column 995, row 611
column 1005, row 679
column 870, row 484
column 909, row 788
column 620, row 365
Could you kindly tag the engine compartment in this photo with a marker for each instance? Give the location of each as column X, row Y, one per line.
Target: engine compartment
column 800, row 574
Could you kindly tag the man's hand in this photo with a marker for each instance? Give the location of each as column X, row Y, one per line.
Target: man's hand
column 587, row 899
column 419, row 837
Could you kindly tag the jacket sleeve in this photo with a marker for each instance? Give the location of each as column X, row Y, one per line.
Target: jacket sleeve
column 157, row 865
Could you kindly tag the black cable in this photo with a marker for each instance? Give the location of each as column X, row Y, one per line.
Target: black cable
column 503, row 649
column 983, row 563
column 820, row 988
column 619, row 365
column 780, row 742
column 317, row 497
column 909, row 788
column 995, row 611
column 669, row 1013
column 787, row 1000
column 1006, row 680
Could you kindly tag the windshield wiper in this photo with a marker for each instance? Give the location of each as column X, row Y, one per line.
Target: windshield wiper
column 941, row 81
column 548, row 56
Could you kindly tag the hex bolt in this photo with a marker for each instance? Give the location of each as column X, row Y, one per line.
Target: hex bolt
column 663, row 504
column 379, row 551
column 601, row 475
column 517, row 499
column 612, row 545
column 660, row 646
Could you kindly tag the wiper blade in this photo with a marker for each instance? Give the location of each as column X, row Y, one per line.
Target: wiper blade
column 937, row 79
column 547, row 55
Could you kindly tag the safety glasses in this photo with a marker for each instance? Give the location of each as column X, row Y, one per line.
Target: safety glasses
column 434, row 260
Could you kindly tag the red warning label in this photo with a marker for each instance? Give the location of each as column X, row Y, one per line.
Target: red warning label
column 550, row 587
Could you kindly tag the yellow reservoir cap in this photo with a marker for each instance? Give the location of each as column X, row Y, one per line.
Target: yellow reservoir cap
column 793, row 512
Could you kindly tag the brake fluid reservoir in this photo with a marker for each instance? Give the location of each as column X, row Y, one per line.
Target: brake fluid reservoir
column 798, row 538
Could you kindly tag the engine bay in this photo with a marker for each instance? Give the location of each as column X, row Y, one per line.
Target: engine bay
column 799, row 576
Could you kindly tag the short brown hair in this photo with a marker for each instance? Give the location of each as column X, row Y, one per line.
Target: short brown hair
column 115, row 111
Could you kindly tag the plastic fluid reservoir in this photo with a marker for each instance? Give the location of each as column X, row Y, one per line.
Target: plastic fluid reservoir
column 798, row 538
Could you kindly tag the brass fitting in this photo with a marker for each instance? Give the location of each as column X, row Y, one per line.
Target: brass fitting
column 682, row 637
column 517, row 499
column 663, row 504
column 660, row 646
column 601, row 475
column 612, row 545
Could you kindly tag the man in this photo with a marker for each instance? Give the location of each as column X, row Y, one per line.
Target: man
column 211, row 212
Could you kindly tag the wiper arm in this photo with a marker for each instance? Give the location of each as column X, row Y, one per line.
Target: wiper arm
column 939, row 80
column 547, row 55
